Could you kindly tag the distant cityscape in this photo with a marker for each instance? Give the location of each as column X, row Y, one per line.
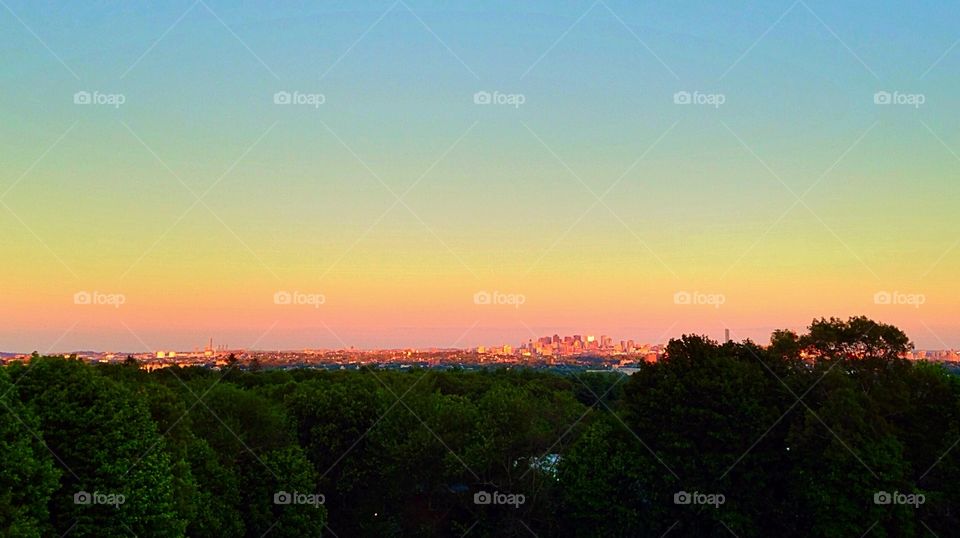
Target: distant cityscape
column 572, row 351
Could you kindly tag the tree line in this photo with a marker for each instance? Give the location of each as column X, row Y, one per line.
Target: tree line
column 825, row 433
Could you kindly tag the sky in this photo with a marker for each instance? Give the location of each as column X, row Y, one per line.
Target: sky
column 410, row 173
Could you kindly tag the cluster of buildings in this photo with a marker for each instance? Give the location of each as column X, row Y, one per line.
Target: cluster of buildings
column 209, row 356
column 576, row 345
column 572, row 349
column 939, row 355
column 555, row 351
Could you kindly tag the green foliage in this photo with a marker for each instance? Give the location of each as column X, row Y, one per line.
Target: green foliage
column 798, row 437
column 104, row 439
column 857, row 337
column 27, row 473
column 252, row 437
column 602, row 491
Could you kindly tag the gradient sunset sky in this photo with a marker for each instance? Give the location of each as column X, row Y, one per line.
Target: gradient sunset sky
column 399, row 198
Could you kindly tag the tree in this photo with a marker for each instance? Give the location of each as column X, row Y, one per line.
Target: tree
column 254, row 441
column 706, row 420
column 841, row 454
column 333, row 421
column 27, row 473
column 109, row 447
column 785, row 343
column 858, row 337
column 603, row 480
column 798, row 436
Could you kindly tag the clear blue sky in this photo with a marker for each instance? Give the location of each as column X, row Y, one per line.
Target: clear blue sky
column 300, row 197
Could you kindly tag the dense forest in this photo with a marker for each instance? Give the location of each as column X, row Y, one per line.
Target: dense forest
column 825, row 433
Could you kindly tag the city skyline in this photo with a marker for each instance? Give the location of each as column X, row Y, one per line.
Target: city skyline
column 559, row 345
